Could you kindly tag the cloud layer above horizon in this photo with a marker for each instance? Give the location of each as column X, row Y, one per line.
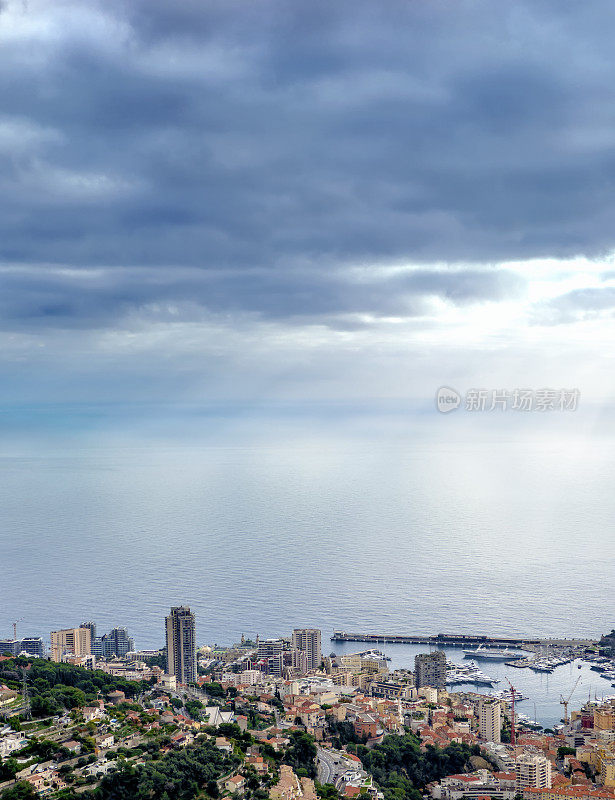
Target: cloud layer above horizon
column 280, row 199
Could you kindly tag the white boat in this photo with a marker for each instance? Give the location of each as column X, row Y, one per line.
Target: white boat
column 375, row 654
column 469, row 673
column 505, row 694
column 492, row 654
column 523, row 719
column 541, row 666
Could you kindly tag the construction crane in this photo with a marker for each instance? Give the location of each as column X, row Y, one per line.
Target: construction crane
column 565, row 702
column 21, row 619
column 513, row 691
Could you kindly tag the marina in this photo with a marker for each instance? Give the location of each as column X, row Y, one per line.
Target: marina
column 542, row 690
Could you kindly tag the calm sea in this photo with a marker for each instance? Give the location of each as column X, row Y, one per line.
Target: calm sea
column 420, row 538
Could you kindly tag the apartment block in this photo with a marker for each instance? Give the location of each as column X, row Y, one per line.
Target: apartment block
column 490, row 720
column 181, row 646
column 532, row 771
column 32, row 645
column 70, row 641
column 308, row 641
column 430, row 669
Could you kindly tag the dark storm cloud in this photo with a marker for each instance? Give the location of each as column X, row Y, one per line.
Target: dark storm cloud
column 241, row 140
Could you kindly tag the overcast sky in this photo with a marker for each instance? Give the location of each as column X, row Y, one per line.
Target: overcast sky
column 302, row 205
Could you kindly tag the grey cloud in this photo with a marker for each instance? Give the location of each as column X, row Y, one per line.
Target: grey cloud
column 239, row 137
column 49, row 297
column 576, row 305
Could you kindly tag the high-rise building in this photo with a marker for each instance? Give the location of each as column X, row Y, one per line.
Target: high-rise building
column 274, row 665
column 116, row 643
column 269, row 648
column 299, row 662
column 430, row 669
column 91, row 626
column 532, row 771
column 490, row 720
column 181, row 647
column 71, row 641
column 32, row 645
column 307, row 640
column 270, row 656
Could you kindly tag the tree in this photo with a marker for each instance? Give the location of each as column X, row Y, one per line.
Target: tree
column 301, row 753
column 8, row 769
column 344, row 731
column 327, row 791
column 88, row 744
column 44, row 706
column 193, row 707
column 178, row 775
column 402, row 770
column 21, row 791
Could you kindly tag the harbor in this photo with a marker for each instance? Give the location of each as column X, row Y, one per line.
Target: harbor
column 577, row 680
column 462, row 640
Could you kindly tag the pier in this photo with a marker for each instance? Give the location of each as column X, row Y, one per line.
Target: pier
column 461, row 640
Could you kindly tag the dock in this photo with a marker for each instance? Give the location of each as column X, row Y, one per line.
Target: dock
column 461, row 640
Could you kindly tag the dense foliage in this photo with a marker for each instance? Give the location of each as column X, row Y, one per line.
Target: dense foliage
column 301, row 754
column 21, row 791
column 327, row 791
column 214, row 689
column 180, row 775
column 177, row 775
column 343, row 733
column 8, row 769
column 54, row 687
column 401, row 769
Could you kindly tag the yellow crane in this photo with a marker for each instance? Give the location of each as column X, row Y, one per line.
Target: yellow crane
column 565, row 702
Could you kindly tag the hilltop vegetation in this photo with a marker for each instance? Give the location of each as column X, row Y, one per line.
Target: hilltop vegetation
column 402, row 770
column 54, row 687
column 180, row 774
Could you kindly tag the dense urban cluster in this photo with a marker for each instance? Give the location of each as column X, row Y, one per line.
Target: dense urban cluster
column 278, row 719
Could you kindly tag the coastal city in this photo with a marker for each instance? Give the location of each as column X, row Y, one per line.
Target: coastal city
column 83, row 714
column 307, row 428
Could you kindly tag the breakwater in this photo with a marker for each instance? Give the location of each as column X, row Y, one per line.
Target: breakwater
column 461, row 640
